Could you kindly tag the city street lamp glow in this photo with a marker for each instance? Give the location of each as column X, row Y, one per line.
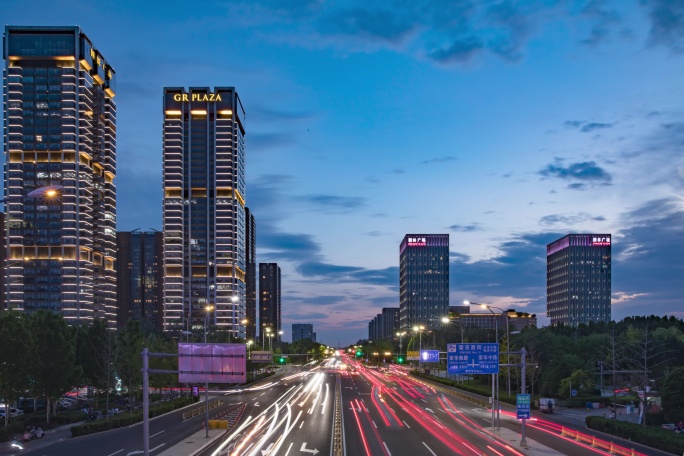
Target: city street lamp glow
column 445, row 320
column 466, row 302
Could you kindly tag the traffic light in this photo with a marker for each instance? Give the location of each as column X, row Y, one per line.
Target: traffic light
column 400, row 360
column 358, row 353
column 282, row 360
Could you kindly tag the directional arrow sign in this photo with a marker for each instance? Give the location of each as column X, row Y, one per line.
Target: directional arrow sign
column 305, row 450
column 267, row 450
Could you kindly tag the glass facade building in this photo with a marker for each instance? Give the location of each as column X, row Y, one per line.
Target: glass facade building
column 204, row 209
column 302, row 331
column 139, row 277
column 423, row 280
column 269, row 298
column 578, row 284
column 60, row 129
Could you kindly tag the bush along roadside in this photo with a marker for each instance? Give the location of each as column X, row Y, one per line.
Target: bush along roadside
column 653, row 437
column 128, row 418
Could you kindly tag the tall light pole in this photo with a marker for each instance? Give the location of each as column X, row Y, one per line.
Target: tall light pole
column 419, row 329
column 207, row 310
column 447, row 321
column 400, row 335
column 263, row 337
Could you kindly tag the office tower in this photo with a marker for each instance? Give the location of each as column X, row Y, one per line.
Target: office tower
column 3, row 255
column 60, row 129
column 423, row 280
column 460, row 310
column 204, row 209
column 269, row 298
column 302, row 331
column 516, row 321
column 371, row 330
column 578, row 279
column 250, row 281
column 140, row 278
column 390, row 322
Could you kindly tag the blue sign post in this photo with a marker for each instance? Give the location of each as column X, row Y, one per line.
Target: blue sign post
column 480, row 358
column 429, row 356
column 573, row 393
column 522, row 402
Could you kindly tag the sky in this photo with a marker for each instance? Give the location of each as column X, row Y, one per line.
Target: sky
column 506, row 124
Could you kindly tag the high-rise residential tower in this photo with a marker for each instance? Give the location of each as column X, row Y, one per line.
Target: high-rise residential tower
column 60, row 129
column 140, row 277
column 204, row 209
column 250, row 281
column 423, row 280
column 578, row 280
column 269, row 298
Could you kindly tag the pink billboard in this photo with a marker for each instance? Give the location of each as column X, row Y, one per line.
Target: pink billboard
column 212, row 363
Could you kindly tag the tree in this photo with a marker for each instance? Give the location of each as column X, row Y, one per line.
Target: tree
column 16, row 356
column 54, row 370
column 580, row 380
column 129, row 360
column 673, row 395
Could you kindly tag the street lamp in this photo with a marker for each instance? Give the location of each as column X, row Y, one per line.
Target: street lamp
column 419, row 329
column 263, row 337
column 400, row 335
column 270, row 337
column 207, row 310
column 447, row 321
column 47, row 193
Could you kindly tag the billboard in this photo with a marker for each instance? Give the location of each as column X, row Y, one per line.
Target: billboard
column 413, row 355
column 212, row 363
column 429, row 356
column 261, row 357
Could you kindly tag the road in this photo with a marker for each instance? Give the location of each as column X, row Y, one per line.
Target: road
column 386, row 413
column 293, row 416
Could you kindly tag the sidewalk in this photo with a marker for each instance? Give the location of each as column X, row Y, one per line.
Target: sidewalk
column 51, row 436
column 533, row 447
column 194, row 444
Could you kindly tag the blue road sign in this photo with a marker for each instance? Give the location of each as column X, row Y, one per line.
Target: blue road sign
column 522, row 403
column 429, row 356
column 473, row 358
column 573, row 393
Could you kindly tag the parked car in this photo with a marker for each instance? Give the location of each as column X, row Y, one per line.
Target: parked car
column 12, row 411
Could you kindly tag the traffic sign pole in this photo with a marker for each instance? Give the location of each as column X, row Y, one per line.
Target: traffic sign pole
column 523, row 440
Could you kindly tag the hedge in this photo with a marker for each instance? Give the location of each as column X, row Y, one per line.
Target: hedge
column 128, row 418
column 653, row 437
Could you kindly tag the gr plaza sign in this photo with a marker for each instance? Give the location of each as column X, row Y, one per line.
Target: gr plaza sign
column 197, row 97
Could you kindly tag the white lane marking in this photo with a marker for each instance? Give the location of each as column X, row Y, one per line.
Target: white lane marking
column 116, row 452
column 288, row 448
column 440, row 410
column 300, row 426
column 157, row 447
column 376, row 426
column 433, row 453
column 157, row 433
column 424, row 401
column 405, row 423
column 388, row 451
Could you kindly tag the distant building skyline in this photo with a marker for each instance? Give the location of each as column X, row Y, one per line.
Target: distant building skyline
column 204, row 209
column 60, row 129
column 423, row 280
column 578, row 279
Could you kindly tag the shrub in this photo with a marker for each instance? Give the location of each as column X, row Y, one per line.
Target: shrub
column 654, row 437
column 481, row 390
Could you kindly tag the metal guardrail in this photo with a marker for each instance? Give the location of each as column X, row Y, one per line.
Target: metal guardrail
column 338, row 437
column 199, row 410
column 594, row 442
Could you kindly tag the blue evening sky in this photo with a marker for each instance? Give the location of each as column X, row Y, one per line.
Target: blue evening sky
column 505, row 124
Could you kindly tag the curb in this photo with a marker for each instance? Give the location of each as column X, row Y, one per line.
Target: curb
column 206, row 445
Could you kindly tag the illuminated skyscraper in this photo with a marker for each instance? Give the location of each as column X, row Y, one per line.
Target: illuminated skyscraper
column 204, row 209
column 60, row 129
column 578, row 283
column 250, row 235
column 423, row 280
